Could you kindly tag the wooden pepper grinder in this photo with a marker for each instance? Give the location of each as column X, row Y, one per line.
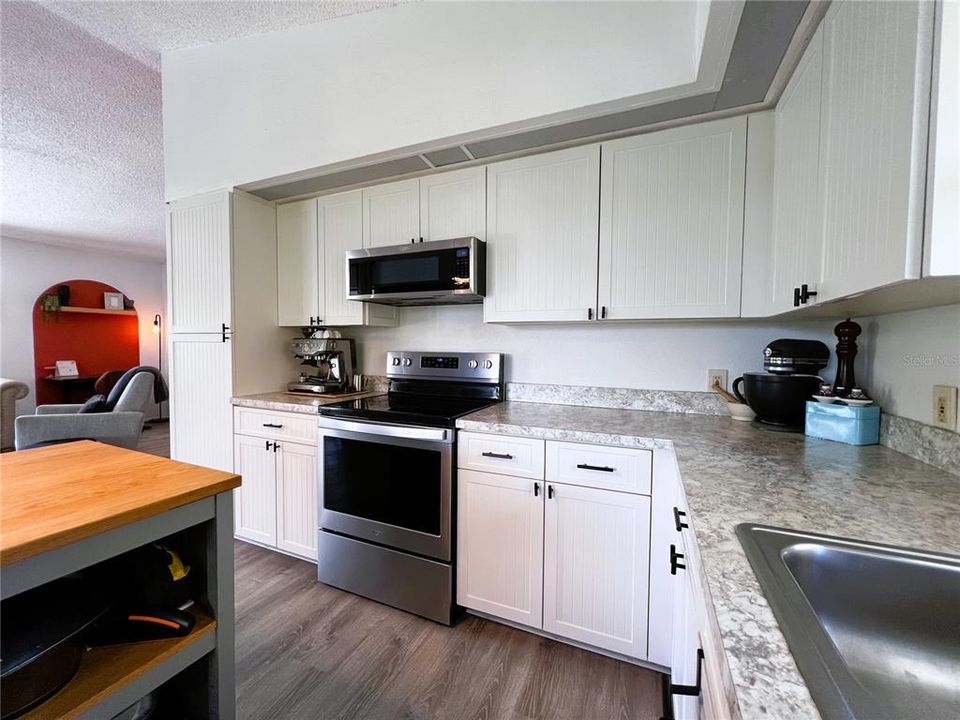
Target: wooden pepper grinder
column 847, row 333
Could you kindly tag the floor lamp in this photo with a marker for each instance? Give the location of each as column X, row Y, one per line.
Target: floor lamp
column 158, row 331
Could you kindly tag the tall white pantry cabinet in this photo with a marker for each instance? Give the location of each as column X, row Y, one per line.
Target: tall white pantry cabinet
column 222, row 342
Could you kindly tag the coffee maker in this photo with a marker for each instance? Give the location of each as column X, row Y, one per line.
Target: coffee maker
column 326, row 365
column 779, row 395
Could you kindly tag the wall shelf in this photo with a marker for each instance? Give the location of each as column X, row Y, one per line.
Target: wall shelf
column 96, row 311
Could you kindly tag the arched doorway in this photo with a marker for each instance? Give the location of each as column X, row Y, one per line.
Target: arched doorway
column 98, row 339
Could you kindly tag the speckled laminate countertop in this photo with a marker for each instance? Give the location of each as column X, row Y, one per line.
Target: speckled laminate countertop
column 288, row 402
column 733, row 473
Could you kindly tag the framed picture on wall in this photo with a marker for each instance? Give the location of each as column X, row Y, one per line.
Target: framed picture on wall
column 113, row 301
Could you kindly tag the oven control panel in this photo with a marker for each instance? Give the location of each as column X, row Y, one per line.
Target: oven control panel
column 486, row 367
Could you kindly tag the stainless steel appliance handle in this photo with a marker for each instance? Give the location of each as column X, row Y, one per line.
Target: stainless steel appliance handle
column 384, row 430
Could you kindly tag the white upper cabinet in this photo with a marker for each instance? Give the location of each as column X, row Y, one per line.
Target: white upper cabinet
column 198, row 262
column 391, row 213
column 340, row 225
column 454, row 204
column 671, row 223
column 542, row 218
column 298, row 292
column 796, row 238
column 875, row 98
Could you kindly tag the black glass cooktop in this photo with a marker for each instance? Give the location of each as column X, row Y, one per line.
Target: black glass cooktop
column 402, row 409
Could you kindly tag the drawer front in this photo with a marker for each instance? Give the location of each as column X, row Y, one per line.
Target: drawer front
column 500, row 454
column 599, row 466
column 275, row 425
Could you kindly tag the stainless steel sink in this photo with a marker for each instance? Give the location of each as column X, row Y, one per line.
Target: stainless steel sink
column 874, row 629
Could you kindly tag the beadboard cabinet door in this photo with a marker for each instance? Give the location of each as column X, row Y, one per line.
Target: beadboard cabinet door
column 875, row 102
column 201, row 411
column 796, row 239
column 671, row 223
column 298, row 291
column 255, row 501
column 391, row 213
column 454, row 204
column 199, row 264
column 542, row 215
column 296, row 499
column 500, row 546
column 340, row 224
column 596, row 557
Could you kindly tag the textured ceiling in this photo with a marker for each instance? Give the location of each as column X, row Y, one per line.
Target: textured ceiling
column 80, row 105
column 143, row 29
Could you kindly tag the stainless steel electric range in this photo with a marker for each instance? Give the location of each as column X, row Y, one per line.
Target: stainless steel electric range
column 388, row 477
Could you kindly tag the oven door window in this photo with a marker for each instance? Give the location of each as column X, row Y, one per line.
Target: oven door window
column 390, row 484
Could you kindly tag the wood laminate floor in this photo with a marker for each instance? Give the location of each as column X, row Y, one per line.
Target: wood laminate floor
column 306, row 650
column 156, row 439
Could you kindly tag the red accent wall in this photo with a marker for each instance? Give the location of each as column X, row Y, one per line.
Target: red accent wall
column 97, row 342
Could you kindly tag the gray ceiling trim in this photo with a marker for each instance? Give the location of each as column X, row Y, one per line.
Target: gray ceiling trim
column 344, row 178
column 763, row 36
column 766, row 29
column 592, row 127
column 447, row 156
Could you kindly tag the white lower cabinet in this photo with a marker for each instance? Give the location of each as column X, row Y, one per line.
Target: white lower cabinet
column 572, row 560
column 500, row 551
column 276, row 504
column 596, row 549
column 255, row 501
column 297, row 499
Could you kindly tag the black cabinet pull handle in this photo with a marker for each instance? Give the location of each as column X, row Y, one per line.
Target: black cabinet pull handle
column 801, row 295
column 598, row 468
column 693, row 690
column 498, row 456
column 603, row 312
column 549, row 492
column 272, row 425
column 536, row 489
column 276, row 446
column 267, row 445
column 674, row 557
column 677, row 514
column 589, row 313
column 223, row 332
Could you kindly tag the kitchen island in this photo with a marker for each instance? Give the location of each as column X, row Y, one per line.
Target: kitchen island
column 733, row 473
column 70, row 506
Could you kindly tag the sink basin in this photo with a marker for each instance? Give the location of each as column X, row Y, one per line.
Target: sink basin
column 874, row 629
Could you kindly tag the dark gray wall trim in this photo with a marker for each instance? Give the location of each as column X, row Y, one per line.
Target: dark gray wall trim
column 766, row 29
column 763, row 36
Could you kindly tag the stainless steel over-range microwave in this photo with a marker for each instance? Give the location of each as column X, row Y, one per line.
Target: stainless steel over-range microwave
column 438, row 272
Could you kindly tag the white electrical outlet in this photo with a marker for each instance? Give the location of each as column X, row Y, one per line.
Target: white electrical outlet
column 716, row 376
column 945, row 406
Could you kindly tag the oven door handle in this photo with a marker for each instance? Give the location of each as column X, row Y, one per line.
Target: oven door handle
column 384, row 430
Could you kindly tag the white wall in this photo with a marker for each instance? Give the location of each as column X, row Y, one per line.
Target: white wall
column 254, row 108
column 29, row 268
column 652, row 355
column 901, row 356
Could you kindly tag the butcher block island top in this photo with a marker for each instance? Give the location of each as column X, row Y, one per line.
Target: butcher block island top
column 57, row 495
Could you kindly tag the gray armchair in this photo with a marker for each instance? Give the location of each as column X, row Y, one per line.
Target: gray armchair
column 119, row 427
column 10, row 392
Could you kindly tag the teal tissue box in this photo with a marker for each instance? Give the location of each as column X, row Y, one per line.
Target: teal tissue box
column 843, row 423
